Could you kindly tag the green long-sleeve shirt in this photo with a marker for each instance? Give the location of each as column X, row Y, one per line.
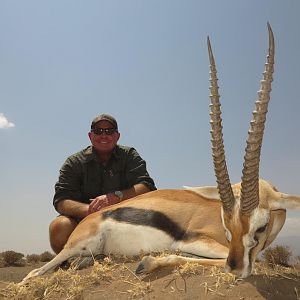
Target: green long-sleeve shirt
column 83, row 177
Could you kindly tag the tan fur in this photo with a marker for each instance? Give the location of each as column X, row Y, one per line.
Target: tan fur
column 196, row 214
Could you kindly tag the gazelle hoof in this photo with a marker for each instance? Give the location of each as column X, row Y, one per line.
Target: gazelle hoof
column 146, row 265
column 140, row 269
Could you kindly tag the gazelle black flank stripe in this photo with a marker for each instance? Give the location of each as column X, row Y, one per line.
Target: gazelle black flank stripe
column 152, row 218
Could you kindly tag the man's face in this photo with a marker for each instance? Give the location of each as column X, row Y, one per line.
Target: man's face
column 104, row 142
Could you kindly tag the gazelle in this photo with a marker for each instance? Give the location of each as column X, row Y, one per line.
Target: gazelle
column 224, row 225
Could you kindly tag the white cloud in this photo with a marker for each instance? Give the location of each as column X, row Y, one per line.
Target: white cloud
column 4, row 123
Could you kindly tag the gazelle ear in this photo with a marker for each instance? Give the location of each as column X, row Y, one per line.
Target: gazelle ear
column 209, row 192
column 284, row 201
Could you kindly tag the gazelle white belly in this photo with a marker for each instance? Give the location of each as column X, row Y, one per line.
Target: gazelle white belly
column 127, row 239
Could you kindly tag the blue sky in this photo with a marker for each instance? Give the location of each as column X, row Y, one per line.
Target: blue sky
column 145, row 62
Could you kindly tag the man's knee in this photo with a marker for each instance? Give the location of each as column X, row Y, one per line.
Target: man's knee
column 59, row 231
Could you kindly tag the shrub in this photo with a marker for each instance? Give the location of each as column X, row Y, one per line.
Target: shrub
column 33, row 258
column 12, row 258
column 2, row 263
column 278, row 255
column 297, row 260
column 46, row 256
column 21, row 263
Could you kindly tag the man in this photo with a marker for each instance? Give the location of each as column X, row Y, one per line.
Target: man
column 101, row 175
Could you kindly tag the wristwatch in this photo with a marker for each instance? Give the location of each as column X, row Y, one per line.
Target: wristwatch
column 119, row 194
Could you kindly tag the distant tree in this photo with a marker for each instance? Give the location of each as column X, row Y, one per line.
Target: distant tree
column 12, row 258
column 32, row 258
column 46, row 256
column 278, row 255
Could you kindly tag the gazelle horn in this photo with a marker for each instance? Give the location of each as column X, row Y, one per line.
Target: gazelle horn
column 224, row 186
column 250, row 177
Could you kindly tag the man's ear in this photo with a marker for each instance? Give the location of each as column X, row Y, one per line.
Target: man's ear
column 119, row 135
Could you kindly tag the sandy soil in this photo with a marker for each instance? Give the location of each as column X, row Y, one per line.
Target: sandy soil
column 118, row 281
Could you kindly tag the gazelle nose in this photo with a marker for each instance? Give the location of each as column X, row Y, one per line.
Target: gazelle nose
column 236, row 272
column 233, row 267
column 232, row 263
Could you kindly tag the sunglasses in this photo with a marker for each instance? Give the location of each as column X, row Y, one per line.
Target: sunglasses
column 107, row 131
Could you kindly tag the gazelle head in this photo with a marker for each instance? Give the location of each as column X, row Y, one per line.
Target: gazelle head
column 253, row 211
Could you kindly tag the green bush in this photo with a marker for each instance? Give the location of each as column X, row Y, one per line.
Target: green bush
column 46, row 256
column 12, row 258
column 278, row 255
column 32, row 258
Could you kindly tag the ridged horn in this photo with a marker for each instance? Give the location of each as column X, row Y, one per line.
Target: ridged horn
column 250, row 177
column 218, row 153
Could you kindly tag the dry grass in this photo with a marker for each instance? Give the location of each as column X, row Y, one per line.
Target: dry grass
column 67, row 283
column 138, row 289
column 220, row 279
column 72, row 284
column 263, row 268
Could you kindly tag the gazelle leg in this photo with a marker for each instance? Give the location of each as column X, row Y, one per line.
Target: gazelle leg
column 204, row 247
column 150, row 263
column 55, row 262
column 77, row 245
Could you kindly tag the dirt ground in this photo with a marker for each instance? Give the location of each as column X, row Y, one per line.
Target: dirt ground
column 111, row 280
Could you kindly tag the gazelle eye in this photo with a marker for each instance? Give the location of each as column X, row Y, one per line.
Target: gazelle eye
column 261, row 229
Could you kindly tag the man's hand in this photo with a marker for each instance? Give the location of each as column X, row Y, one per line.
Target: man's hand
column 102, row 201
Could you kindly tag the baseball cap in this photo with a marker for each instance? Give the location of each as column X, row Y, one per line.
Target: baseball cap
column 105, row 117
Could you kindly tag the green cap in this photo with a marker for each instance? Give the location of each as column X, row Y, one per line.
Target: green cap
column 105, row 117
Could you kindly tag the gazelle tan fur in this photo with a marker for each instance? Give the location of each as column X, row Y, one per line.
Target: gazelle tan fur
column 225, row 225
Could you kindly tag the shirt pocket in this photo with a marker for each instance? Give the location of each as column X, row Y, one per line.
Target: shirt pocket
column 112, row 179
column 92, row 184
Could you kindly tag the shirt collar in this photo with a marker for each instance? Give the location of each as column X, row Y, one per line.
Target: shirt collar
column 90, row 153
